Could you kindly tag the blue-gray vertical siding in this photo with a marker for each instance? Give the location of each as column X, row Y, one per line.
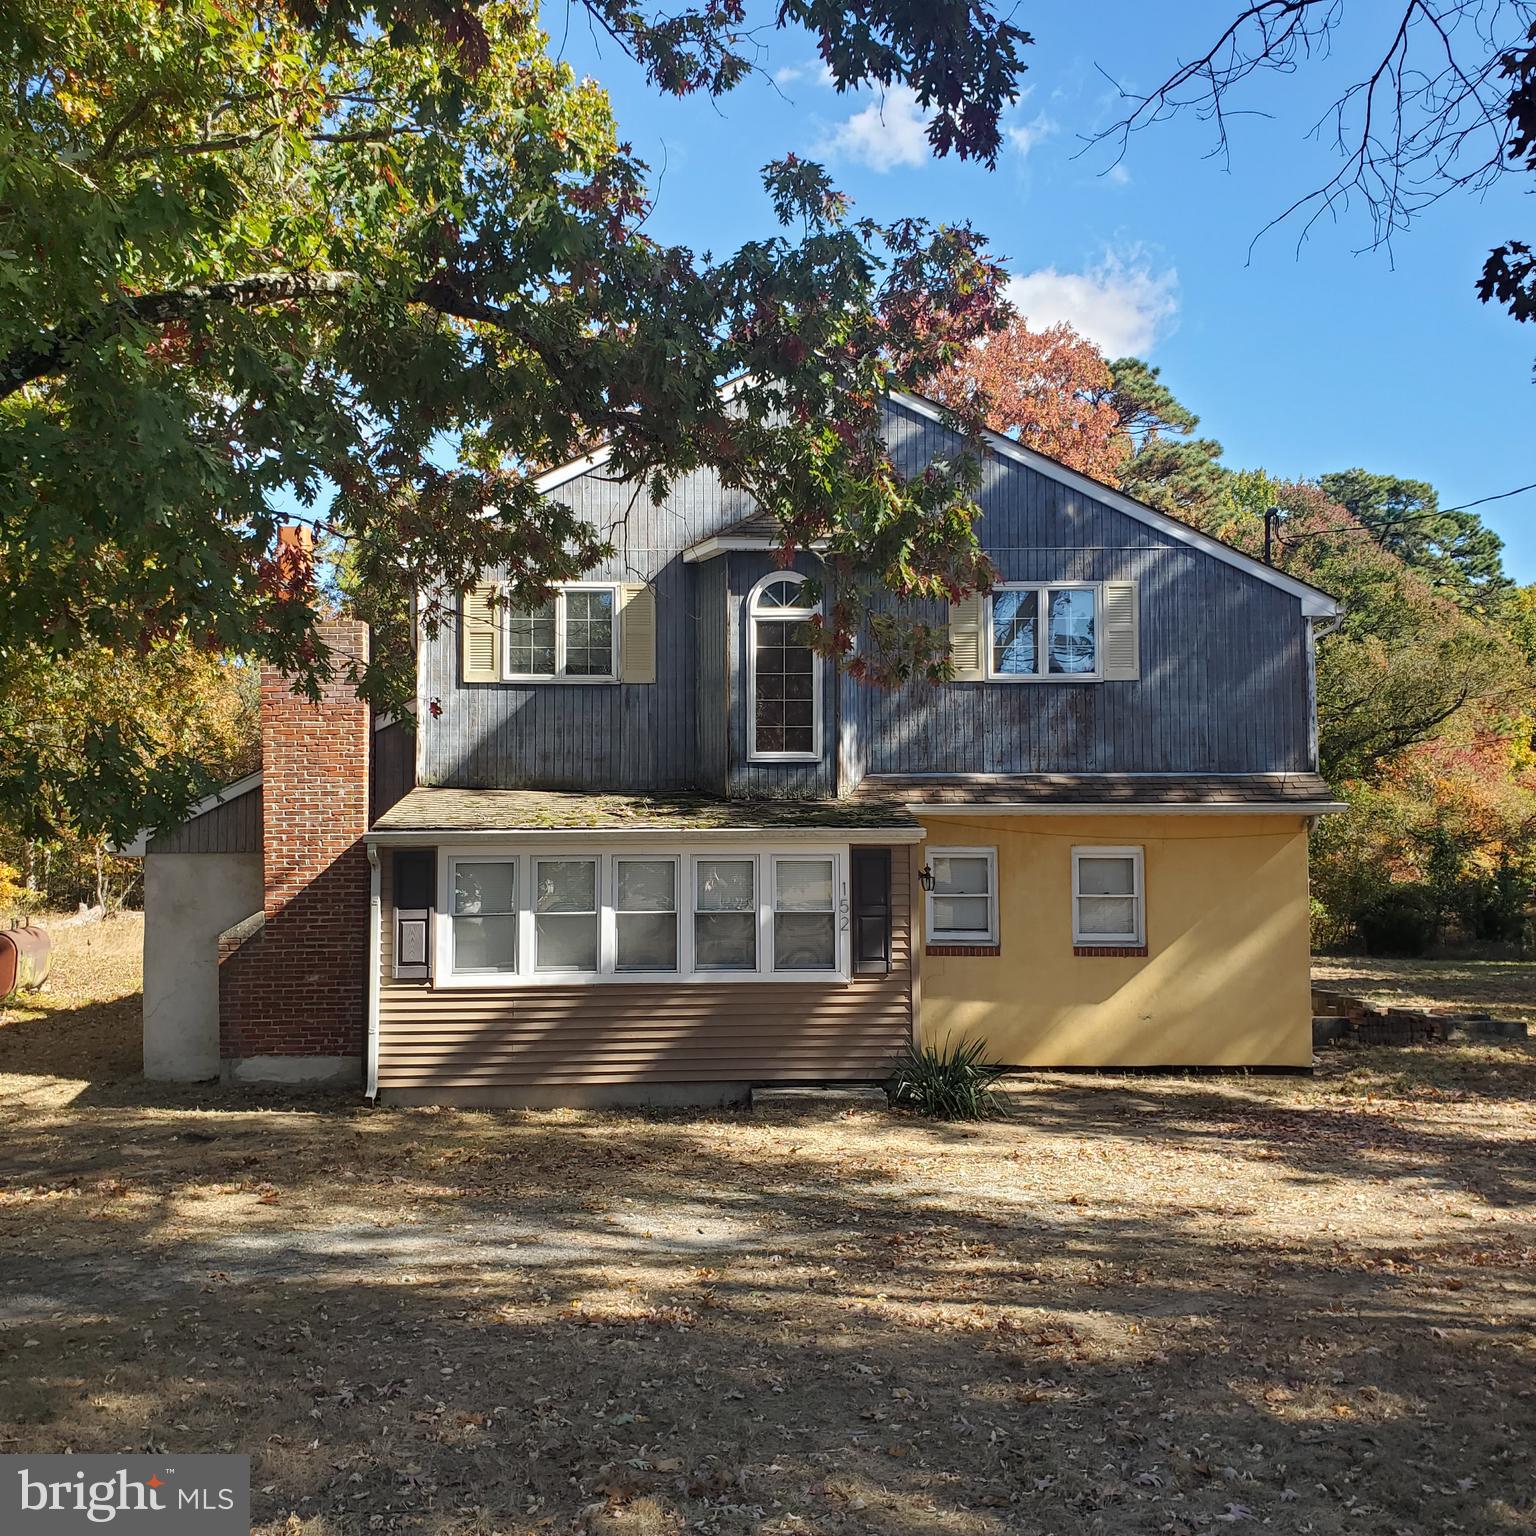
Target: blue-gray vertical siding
column 712, row 677
column 588, row 735
column 231, row 826
column 1223, row 685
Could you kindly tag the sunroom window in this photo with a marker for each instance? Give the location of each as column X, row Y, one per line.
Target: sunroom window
column 484, row 915
column 804, row 915
column 571, row 636
column 566, row 914
column 637, row 914
column 645, row 914
column 725, row 915
column 1044, row 631
column 785, row 682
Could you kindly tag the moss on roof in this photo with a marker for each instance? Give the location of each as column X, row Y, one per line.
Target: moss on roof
column 429, row 809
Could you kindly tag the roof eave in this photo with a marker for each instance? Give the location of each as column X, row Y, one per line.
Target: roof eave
column 1123, row 808
column 720, row 544
column 140, row 845
column 407, row 837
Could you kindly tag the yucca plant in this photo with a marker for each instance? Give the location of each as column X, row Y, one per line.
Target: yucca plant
column 952, row 1081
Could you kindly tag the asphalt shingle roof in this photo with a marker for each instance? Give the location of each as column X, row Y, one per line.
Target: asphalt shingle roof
column 1091, row 789
column 428, row 809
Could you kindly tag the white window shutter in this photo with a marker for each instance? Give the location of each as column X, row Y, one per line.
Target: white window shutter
column 480, row 634
column 637, row 632
column 1122, row 631
column 967, row 618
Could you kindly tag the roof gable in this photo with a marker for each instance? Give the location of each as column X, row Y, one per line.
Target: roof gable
column 1314, row 602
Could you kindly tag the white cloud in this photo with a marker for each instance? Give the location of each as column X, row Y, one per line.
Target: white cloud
column 817, row 71
column 1121, row 304
column 1025, row 136
column 890, row 131
column 1118, row 174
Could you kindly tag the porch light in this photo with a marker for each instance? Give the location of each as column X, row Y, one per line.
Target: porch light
column 926, row 877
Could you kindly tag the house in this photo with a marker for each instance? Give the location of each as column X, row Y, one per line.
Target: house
column 643, row 845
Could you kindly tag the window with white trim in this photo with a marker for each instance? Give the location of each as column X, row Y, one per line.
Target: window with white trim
column 566, row 915
column 552, row 916
column 484, row 926
column 725, row 914
column 645, row 914
column 962, row 906
column 784, row 673
column 1040, row 631
column 804, row 914
column 572, row 637
column 1107, row 897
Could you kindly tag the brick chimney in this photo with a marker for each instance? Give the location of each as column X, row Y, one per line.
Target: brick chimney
column 294, row 986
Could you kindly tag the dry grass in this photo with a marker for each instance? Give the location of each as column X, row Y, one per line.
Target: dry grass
column 1143, row 1305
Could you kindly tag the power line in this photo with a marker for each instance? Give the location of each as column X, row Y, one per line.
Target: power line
column 1500, row 497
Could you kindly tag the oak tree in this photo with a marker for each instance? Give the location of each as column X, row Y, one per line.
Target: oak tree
column 393, row 260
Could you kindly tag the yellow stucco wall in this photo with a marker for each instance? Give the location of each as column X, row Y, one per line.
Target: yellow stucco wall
column 1225, row 980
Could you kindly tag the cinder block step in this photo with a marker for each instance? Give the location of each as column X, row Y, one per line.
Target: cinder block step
column 1328, row 1027
column 807, row 1101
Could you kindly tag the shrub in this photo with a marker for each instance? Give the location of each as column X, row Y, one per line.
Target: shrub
column 1493, row 905
column 1329, row 931
column 1401, row 920
column 948, row 1082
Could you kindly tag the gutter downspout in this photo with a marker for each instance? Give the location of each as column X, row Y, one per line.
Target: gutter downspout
column 375, row 914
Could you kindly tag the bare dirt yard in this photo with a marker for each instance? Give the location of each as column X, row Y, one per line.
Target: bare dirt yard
column 1137, row 1305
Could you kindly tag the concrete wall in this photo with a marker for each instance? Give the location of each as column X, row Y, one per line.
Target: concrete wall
column 189, row 900
column 1224, row 982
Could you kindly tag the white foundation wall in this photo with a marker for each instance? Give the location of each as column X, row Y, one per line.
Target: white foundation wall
column 189, row 900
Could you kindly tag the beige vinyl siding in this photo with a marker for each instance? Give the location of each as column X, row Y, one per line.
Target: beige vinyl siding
column 638, row 1033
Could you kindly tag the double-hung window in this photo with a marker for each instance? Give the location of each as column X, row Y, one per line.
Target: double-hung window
column 645, row 914
column 1037, row 631
column 725, row 914
column 565, row 928
column 573, row 636
column 804, row 915
column 962, row 905
column 484, row 928
column 784, row 681
column 1108, row 906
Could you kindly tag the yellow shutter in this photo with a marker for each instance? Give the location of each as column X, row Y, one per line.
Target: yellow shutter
column 637, row 632
column 967, row 618
column 480, row 635
column 1121, row 622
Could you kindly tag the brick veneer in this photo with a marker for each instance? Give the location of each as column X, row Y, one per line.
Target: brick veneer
column 297, row 986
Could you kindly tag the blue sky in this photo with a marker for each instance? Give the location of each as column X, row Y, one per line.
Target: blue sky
column 1299, row 361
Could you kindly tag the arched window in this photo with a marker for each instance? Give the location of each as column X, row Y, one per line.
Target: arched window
column 784, row 674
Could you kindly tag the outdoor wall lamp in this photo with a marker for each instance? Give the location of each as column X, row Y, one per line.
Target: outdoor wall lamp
column 926, row 877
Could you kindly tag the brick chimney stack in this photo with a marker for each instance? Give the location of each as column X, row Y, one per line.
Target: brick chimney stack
column 296, row 985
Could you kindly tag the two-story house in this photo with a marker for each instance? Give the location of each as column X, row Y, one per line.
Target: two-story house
column 643, row 844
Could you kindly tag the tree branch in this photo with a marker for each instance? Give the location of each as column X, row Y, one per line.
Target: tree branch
column 51, row 354
column 218, row 145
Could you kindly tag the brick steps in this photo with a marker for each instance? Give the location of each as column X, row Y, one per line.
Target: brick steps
column 1341, row 1019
